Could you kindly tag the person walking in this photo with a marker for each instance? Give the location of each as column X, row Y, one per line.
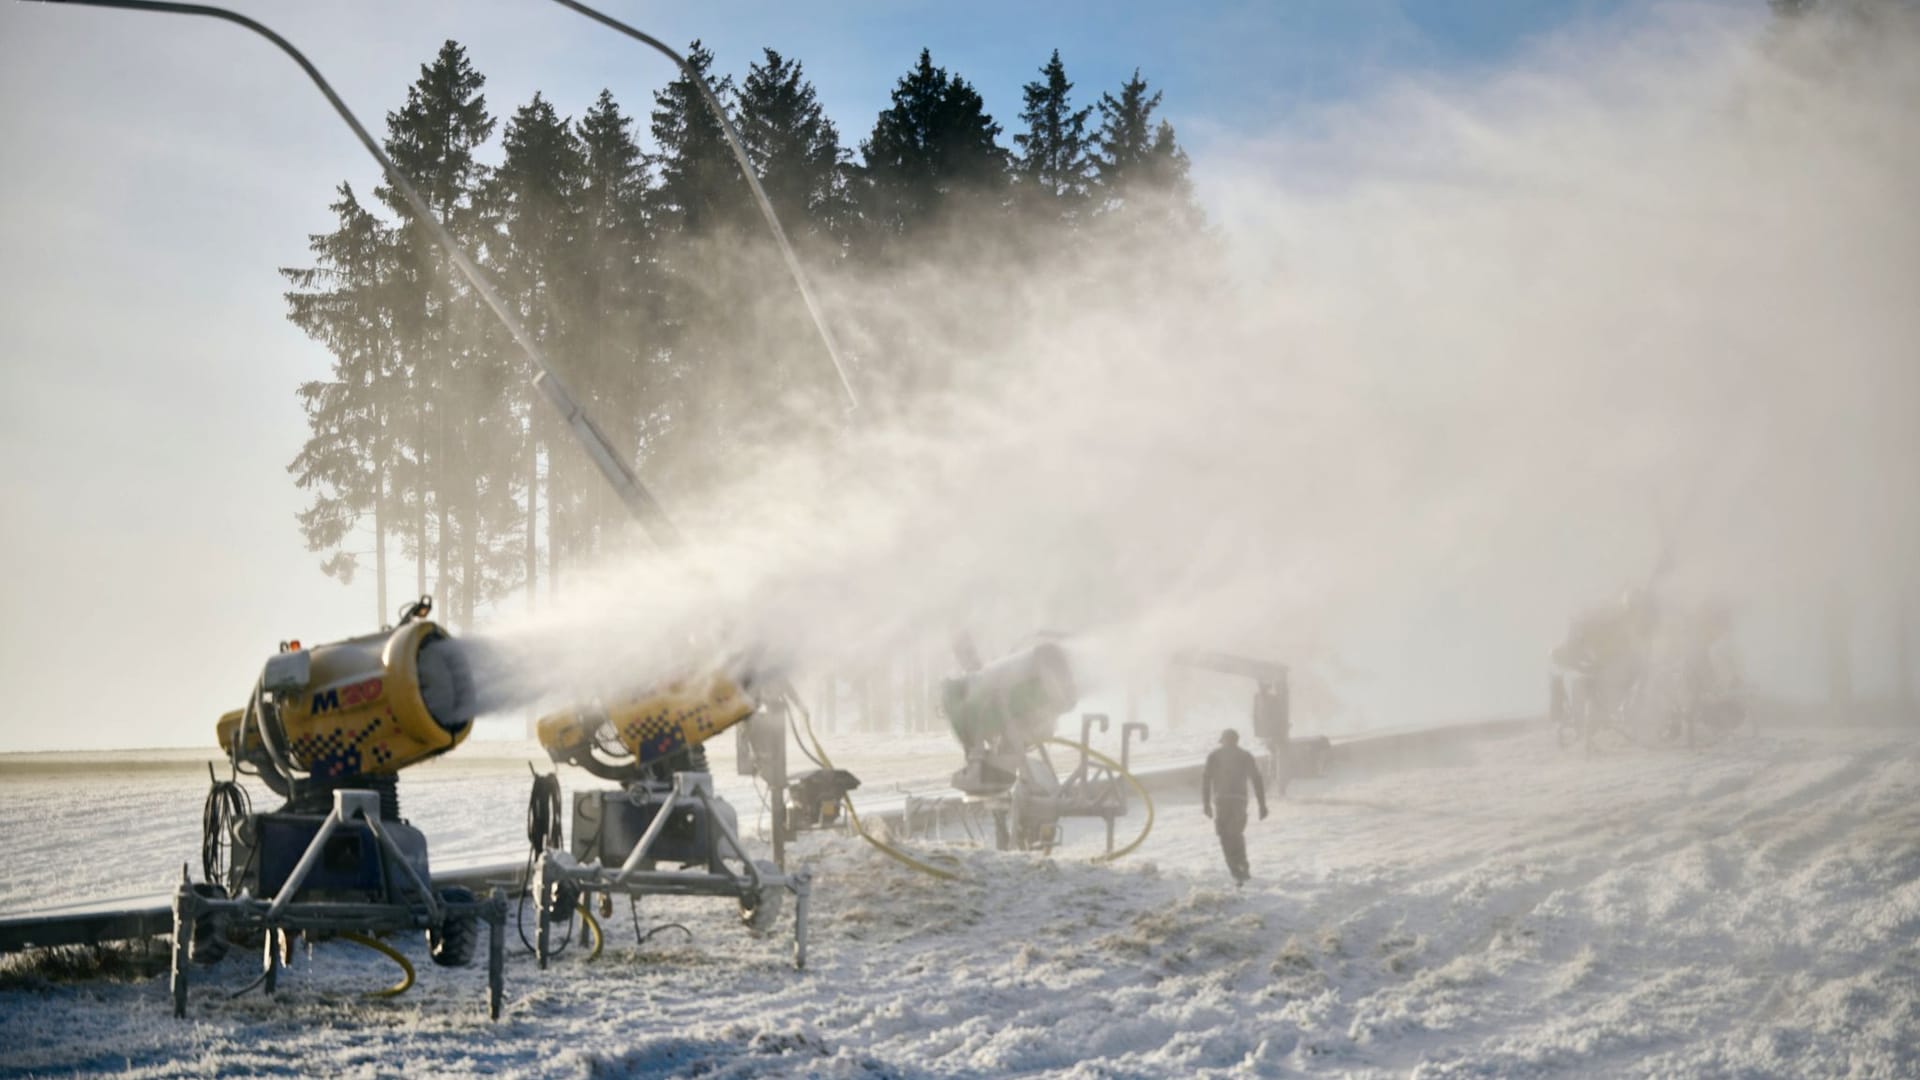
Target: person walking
column 1223, row 797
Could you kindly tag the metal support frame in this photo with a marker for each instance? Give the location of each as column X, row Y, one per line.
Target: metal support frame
column 750, row 886
column 424, row 911
column 761, row 751
column 1040, row 797
column 1090, row 790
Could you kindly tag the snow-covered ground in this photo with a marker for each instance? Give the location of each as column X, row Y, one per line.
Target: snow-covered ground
column 1751, row 909
column 96, row 827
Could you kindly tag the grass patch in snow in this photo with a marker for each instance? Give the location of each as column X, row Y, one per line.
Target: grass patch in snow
column 118, row 961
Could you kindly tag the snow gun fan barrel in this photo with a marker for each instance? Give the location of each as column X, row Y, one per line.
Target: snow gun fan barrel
column 628, row 736
column 367, row 706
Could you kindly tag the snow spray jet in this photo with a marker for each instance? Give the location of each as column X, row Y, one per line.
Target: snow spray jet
column 1407, row 408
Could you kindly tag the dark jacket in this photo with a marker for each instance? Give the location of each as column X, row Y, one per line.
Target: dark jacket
column 1229, row 770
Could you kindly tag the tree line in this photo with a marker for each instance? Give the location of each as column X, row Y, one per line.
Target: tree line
column 648, row 278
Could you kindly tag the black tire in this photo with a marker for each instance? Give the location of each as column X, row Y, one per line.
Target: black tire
column 452, row 944
column 209, row 930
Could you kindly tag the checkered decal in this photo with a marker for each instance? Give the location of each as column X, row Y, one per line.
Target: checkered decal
column 340, row 751
column 656, row 734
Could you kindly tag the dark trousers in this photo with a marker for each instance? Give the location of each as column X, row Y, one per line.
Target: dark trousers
column 1230, row 824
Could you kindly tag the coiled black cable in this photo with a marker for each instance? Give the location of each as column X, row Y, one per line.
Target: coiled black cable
column 543, row 833
column 543, row 813
column 226, row 807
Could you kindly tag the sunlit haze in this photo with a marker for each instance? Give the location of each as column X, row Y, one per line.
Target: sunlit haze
column 1498, row 313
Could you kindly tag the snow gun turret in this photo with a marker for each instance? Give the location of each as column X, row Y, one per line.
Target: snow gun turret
column 1004, row 714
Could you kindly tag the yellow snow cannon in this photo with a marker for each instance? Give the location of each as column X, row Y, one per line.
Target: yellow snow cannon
column 367, row 706
column 328, row 729
column 666, row 812
column 653, row 731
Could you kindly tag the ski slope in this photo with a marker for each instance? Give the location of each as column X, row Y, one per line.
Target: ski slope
column 1750, row 910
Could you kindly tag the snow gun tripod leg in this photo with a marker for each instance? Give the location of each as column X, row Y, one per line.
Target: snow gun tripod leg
column 496, row 950
column 1127, row 732
column 802, row 890
column 270, row 961
column 542, row 886
column 185, row 914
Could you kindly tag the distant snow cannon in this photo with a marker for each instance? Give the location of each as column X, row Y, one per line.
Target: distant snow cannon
column 652, row 742
column 1004, row 715
column 1002, row 709
column 328, row 729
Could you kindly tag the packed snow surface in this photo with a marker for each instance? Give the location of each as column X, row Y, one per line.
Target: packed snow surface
column 1749, row 909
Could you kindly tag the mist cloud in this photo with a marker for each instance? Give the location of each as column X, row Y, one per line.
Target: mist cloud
column 1484, row 350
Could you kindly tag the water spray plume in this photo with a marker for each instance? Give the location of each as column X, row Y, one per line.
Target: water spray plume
column 1471, row 336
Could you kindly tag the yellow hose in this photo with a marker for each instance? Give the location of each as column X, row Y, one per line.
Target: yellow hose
column 853, row 816
column 1130, row 778
column 406, row 969
column 593, row 925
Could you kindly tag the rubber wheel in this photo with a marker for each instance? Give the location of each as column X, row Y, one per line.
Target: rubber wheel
column 209, row 930
column 452, row 944
column 762, row 910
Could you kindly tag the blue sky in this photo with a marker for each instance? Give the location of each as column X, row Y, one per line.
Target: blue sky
column 159, row 168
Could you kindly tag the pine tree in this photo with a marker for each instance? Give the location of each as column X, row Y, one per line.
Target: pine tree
column 796, row 154
column 452, row 385
column 1055, row 163
column 700, row 188
column 931, row 152
column 795, row 149
column 533, row 202
column 345, row 303
column 701, row 210
column 615, row 340
column 432, row 140
column 1140, row 170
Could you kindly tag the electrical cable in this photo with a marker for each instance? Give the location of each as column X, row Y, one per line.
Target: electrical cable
column 406, row 968
column 227, row 805
column 662, row 928
column 639, row 938
column 543, row 812
column 543, row 832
